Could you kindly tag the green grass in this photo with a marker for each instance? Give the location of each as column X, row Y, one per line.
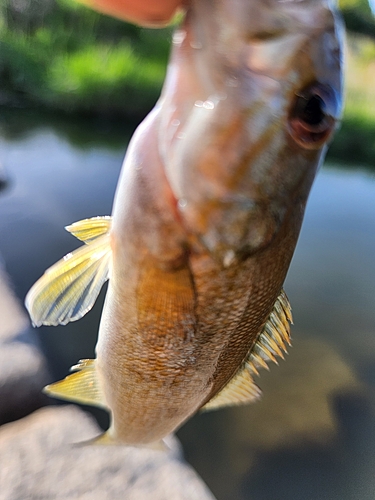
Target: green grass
column 76, row 61
column 116, row 79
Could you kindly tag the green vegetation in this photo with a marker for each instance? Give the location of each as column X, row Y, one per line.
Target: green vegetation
column 358, row 17
column 60, row 55
column 356, row 138
column 65, row 58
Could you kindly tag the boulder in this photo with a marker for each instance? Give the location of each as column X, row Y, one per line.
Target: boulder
column 23, row 371
column 3, row 177
column 39, row 459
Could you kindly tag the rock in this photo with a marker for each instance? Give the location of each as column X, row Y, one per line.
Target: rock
column 3, row 178
column 38, row 460
column 23, row 370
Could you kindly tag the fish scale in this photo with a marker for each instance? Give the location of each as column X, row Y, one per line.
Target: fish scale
column 250, row 317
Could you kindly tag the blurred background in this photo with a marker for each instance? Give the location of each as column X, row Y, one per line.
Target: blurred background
column 73, row 86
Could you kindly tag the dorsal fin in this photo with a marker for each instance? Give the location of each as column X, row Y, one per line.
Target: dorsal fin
column 270, row 344
column 69, row 289
column 80, row 387
column 240, row 390
column 274, row 337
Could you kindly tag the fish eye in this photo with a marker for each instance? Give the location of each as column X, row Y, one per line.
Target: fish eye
column 313, row 116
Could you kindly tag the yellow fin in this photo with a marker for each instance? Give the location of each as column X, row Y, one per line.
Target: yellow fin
column 241, row 389
column 270, row 344
column 69, row 289
column 274, row 337
column 157, row 446
column 106, row 439
column 88, row 230
column 80, row 387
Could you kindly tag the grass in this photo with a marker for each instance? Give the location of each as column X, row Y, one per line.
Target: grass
column 117, row 80
column 76, row 61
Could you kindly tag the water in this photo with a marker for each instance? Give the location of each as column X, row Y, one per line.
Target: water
column 312, row 436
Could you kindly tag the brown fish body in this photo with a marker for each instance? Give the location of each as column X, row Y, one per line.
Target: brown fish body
column 209, row 206
column 184, row 324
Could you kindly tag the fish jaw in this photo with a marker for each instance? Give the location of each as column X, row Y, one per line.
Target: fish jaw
column 236, row 156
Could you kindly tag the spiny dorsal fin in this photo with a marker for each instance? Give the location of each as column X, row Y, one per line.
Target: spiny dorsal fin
column 270, row 344
column 274, row 337
column 241, row 389
column 69, row 289
column 80, row 387
column 88, row 230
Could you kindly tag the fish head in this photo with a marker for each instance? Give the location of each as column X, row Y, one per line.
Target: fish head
column 251, row 100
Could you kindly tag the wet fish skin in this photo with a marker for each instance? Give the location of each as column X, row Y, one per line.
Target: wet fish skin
column 207, row 213
column 236, row 114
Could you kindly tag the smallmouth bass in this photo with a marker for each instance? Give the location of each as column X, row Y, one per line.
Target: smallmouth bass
column 206, row 217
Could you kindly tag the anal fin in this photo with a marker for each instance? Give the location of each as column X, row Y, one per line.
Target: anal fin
column 79, row 387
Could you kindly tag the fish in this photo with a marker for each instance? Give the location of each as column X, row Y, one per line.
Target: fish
column 206, row 216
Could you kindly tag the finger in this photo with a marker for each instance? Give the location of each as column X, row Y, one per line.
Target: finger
column 153, row 13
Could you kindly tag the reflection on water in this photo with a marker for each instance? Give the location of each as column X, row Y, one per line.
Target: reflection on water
column 313, row 434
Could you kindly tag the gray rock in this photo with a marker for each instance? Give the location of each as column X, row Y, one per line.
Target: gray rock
column 38, row 460
column 3, row 176
column 23, row 370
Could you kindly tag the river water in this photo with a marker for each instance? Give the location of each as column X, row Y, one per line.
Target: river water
column 312, row 436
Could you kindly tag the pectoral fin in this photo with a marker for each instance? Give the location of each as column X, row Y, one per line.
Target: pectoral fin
column 80, row 387
column 88, row 230
column 69, row 289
